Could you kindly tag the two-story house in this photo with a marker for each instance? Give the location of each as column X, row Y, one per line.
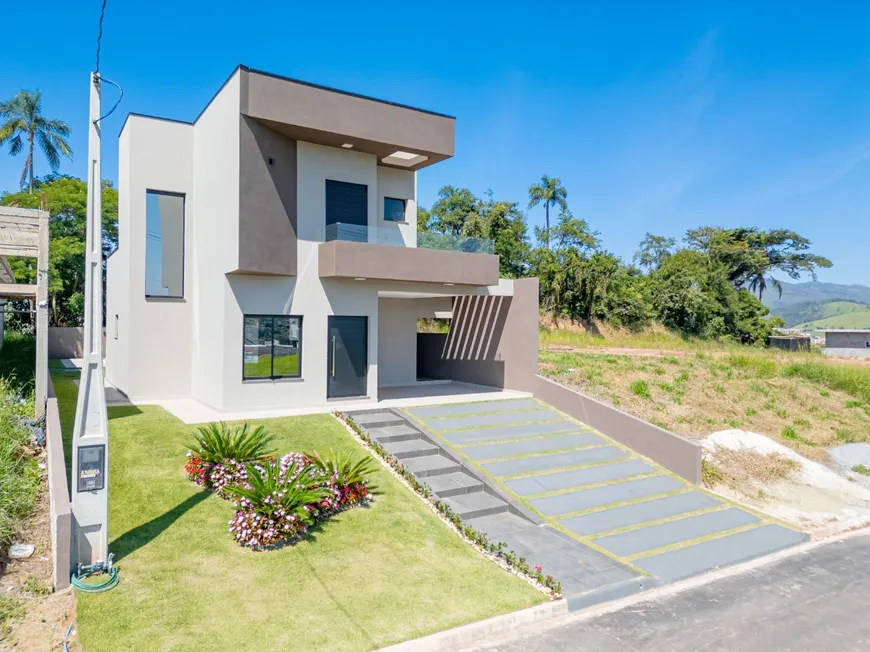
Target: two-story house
column 269, row 256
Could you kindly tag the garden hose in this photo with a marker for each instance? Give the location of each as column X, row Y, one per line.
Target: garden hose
column 83, row 572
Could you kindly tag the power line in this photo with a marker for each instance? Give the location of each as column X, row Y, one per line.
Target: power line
column 100, row 35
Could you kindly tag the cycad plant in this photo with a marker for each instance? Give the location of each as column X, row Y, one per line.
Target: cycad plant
column 217, row 442
column 344, row 469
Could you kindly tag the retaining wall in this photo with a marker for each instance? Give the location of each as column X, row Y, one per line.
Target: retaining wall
column 673, row 452
column 58, row 491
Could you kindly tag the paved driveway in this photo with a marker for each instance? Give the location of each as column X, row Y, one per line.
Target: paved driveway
column 600, row 493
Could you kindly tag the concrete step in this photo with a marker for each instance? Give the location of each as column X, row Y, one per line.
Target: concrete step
column 404, row 450
column 394, row 433
column 431, row 465
column 454, row 484
column 372, row 420
column 480, row 503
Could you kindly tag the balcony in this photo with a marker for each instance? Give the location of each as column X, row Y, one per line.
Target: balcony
column 386, row 254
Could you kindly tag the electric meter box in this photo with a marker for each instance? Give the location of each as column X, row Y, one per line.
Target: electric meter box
column 92, row 468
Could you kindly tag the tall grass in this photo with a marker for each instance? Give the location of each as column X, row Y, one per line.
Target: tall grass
column 853, row 379
column 19, row 473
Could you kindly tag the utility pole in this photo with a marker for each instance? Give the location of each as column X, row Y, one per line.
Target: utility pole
column 90, row 468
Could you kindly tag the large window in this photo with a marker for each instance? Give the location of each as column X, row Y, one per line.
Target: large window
column 164, row 244
column 394, row 209
column 272, row 347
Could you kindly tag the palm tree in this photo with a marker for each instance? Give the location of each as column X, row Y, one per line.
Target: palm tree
column 757, row 283
column 23, row 120
column 548, row 192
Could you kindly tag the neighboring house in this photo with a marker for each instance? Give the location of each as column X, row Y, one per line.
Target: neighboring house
column 848, row 343
column 269, row 257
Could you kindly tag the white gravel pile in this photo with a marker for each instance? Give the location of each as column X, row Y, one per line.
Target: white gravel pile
column 814, row 495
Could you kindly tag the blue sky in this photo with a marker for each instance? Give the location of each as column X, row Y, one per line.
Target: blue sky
column 656, row 116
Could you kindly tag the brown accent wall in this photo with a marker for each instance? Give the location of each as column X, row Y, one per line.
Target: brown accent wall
column 342, row 259
column 267, row 200
column 329, row 117
column 493, row 340
column 673, row 452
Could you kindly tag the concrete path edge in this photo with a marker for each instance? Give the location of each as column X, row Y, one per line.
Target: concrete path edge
column 473, row 632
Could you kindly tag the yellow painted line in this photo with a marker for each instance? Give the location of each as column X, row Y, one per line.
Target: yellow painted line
column 693, row 542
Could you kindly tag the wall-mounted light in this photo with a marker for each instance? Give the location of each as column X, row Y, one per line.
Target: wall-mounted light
column 271, row 161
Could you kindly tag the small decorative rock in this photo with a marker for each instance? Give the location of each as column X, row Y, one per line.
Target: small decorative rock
column 21, row 550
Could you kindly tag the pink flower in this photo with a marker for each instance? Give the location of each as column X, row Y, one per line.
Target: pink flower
column 538, row 568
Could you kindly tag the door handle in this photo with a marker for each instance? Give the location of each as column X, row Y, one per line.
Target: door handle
column 333, row 356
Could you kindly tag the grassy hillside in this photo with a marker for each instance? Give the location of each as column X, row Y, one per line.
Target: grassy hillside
column 849, row 320
column 802, row 313
column 798, row 400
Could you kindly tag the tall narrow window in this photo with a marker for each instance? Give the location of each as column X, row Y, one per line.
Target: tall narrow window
column 272, row 347
column 164, row 244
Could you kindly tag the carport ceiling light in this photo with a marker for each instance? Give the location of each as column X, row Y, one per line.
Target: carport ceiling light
column 404, row 159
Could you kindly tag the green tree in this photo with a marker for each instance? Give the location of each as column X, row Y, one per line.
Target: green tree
column 653, row 250
column 24, row 127
column 505, row 224
column 751, row 255
column 66, row 199
column 454, row 211
column 548, row 192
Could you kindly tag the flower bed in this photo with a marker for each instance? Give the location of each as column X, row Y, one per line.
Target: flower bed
column 277, row 501
column 495, row 550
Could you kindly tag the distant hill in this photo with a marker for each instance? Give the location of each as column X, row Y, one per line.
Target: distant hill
column 815, row 292
column 813, row 301
column 849, row 320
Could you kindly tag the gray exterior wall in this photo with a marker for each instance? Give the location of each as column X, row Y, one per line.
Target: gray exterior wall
column 847, row 339
column 68, row 342
column 267, row 200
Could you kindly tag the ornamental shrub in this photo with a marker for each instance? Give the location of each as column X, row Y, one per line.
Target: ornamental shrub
column 278, row 500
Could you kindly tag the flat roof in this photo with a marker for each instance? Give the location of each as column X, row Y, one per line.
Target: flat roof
column 865, row 331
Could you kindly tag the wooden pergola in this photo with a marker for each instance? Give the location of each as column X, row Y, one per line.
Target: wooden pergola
column 24, row 232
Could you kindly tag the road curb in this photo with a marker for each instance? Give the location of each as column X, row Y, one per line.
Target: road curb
column 473, row 632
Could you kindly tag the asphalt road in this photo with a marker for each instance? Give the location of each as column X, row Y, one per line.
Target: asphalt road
column 816, row 601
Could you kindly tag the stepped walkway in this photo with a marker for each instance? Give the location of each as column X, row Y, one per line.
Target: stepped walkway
column 601, row 519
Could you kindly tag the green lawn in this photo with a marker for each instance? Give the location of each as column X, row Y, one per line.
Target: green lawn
column 369, row 577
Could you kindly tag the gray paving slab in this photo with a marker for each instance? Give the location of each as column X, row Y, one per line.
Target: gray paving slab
column 478, row 503
column 553, row 461
column 579, row 477
column 453, row 484
column 676, row 564
column 510, row 432
column 496, row 419
column 650, row 510
column 501, row 524
column 479, row 407
column 665, row 534
column 589, row 498
column 524, row 447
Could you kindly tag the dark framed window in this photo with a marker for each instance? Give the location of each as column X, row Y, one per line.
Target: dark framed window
column 272, row 347
column 394, row 209
column 164, row 245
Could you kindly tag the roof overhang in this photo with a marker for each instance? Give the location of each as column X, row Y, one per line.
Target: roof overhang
column 400, row 136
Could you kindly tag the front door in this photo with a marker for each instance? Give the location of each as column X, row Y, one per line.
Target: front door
column 347, row 357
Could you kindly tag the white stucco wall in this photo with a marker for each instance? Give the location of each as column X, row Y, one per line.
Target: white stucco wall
column 216, row 242
column 398, row 184
column 152, row 358
column 397, row 336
